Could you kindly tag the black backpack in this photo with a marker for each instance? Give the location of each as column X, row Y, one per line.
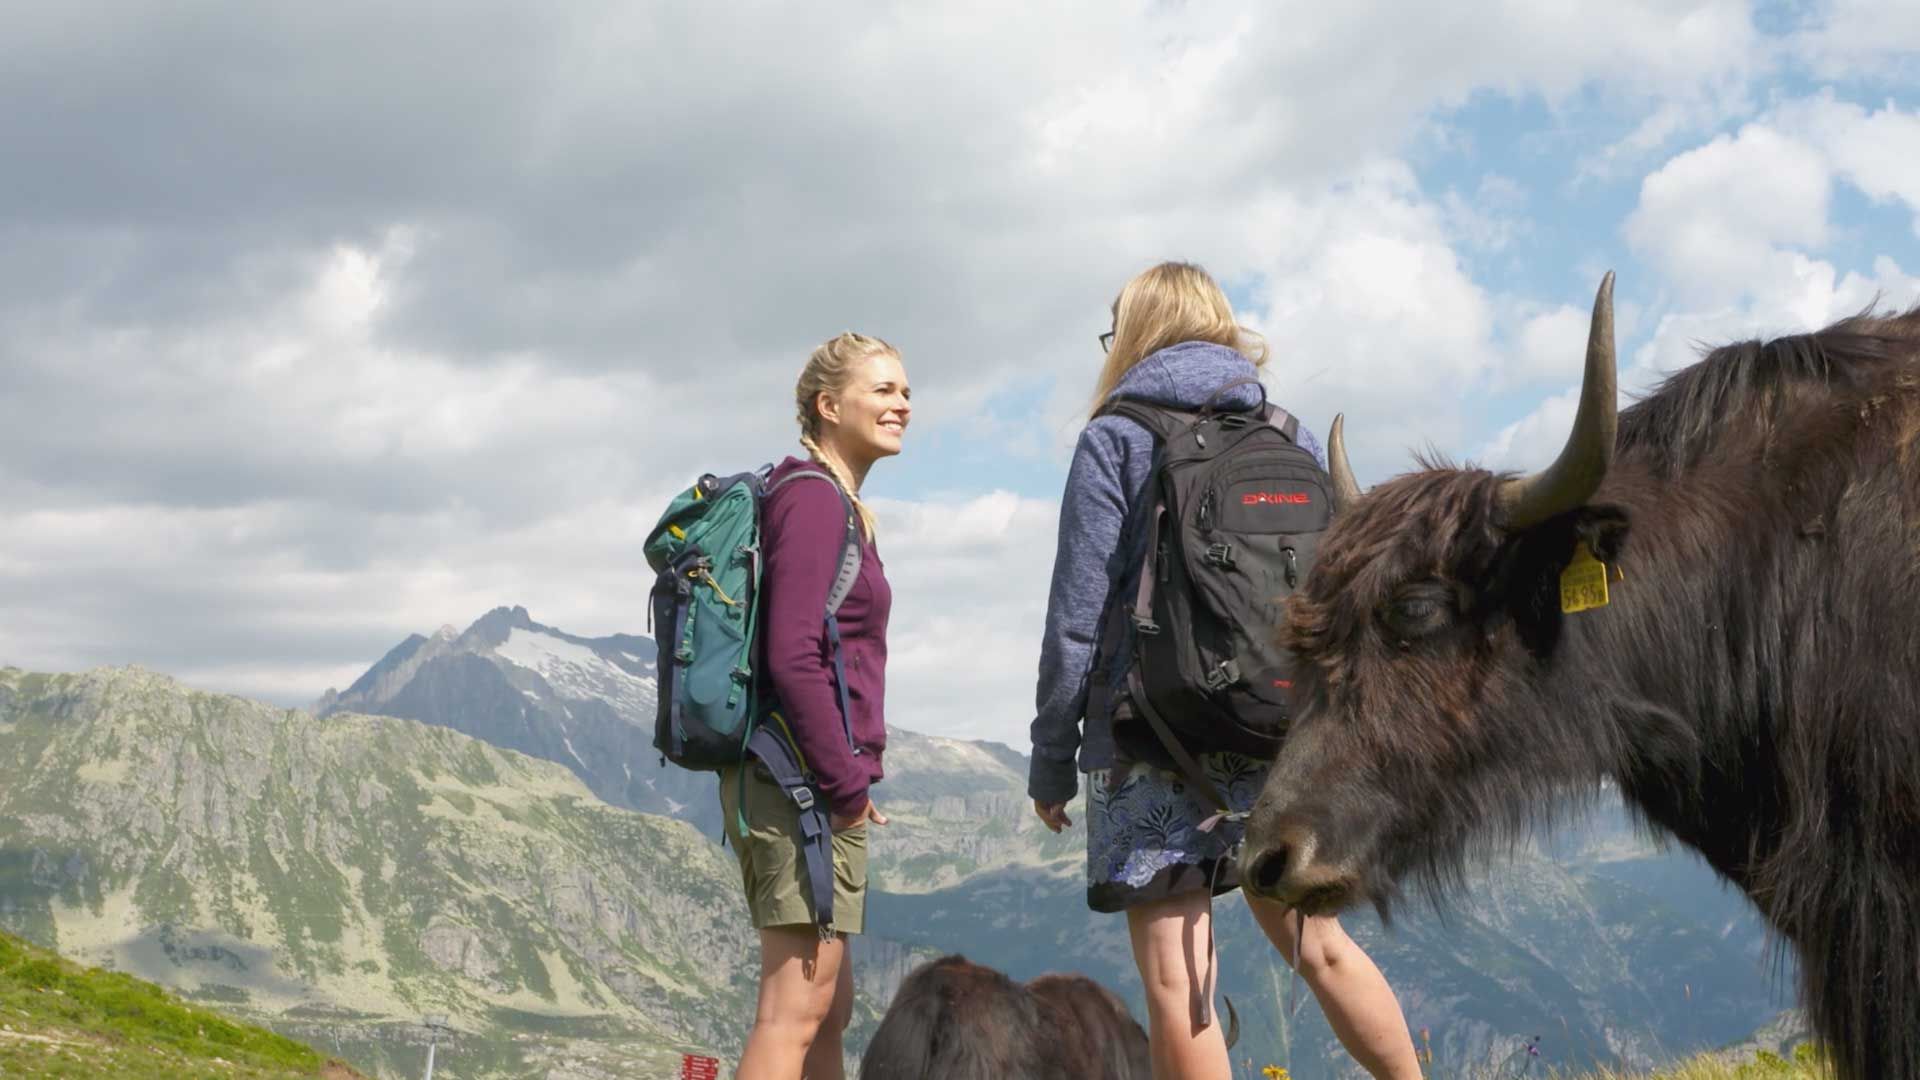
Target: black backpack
column 1188, row 660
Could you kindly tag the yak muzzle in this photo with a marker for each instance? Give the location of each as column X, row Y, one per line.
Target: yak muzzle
column 1279, row 864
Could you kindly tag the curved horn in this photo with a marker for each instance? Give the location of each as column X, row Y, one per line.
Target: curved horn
column 1573, row 477
column 1345, row 490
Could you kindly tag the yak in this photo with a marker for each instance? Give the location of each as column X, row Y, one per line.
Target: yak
column 1707, row 603
column 954, row 1019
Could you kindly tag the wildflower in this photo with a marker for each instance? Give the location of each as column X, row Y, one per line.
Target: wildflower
column 1275, row 1072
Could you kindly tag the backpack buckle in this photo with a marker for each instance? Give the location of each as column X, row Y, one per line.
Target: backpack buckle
column 1220, row 555
column 802, row 797
column 1223, row 675
column 1146, row 626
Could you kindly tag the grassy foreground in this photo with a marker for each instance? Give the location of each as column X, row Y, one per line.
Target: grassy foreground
column 60, row 1020
column 1805, row 1063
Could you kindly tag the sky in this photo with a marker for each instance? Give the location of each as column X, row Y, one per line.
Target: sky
column 321, row 325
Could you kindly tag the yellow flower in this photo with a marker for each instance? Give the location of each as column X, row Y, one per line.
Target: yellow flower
column 1275, row 1072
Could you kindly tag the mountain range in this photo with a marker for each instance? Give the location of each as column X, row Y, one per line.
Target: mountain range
column 336, row 874
column 340, row 879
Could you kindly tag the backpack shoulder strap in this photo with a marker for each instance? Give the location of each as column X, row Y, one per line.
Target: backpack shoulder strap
column 1161, row 420
column 843, row 583
column 850, row 552
column 849, row 565
column 1288, row 423
column 800, row 474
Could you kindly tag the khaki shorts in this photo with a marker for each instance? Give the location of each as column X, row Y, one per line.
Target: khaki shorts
column 771, row 866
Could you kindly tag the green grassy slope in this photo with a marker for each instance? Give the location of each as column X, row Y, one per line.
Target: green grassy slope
column 58, row 1019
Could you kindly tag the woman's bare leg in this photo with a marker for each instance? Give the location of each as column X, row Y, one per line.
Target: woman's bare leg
column 826, row 1058
column 799, row 980
column 1358, row 1003
column 1173, row 947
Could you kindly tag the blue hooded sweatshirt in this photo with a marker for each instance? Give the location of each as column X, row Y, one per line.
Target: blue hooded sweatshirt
column 1107, row 479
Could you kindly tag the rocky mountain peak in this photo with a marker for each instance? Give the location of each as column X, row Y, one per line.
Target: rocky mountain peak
column 493, row 628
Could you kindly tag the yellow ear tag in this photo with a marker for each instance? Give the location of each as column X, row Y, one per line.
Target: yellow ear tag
column 1583, row 584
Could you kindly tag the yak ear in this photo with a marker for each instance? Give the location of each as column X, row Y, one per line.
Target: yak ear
column 1604, row 530
column 1527, row 572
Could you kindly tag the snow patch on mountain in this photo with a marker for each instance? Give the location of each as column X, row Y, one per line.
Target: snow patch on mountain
column 579, row 673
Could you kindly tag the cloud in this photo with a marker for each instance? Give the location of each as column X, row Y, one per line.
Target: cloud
column 1812, row 294
column 1369, row 310
column 1731, row 225
column 1550, row 343
column 969, row 578
column 1712, row 215
column 321, row 325
column 298, row 399
column 1859, row 39
column 282, row 599
column 1487, row 221
column 1532, row 442
column 611, row 187
column 1872, row 151
column 1807, row 295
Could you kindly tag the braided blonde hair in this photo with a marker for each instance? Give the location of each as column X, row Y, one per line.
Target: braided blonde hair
column 828, row 371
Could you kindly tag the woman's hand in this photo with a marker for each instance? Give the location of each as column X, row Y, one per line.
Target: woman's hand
column 869, row 813
column 1053, row 815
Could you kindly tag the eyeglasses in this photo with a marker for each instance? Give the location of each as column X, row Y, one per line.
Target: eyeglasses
column 1106, row 341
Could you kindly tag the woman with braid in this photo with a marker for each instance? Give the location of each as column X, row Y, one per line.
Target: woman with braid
column 853, row 404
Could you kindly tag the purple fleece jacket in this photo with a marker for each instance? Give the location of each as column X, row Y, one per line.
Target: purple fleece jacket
column 803, row 531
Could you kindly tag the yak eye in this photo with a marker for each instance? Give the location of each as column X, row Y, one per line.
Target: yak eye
column 1415, row 609
column 1419, row 610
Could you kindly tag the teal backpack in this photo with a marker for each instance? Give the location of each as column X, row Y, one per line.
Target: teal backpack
column 706, row 553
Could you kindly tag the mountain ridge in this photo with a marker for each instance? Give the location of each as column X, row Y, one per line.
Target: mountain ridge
column 1632, row 952
column 338, row 878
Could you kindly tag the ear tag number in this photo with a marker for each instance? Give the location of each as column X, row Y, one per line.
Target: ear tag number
column 1583, row 584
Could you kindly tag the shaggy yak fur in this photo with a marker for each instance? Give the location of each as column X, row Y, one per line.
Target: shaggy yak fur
column 955, row 1019
column 1752, row 688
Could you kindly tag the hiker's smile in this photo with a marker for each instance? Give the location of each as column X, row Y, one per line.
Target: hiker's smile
column 876, row 406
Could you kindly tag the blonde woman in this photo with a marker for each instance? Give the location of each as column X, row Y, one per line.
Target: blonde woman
column 853, row 407
column 1174, row 342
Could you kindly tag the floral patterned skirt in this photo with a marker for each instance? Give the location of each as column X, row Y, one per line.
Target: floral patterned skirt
column 1144, row 840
